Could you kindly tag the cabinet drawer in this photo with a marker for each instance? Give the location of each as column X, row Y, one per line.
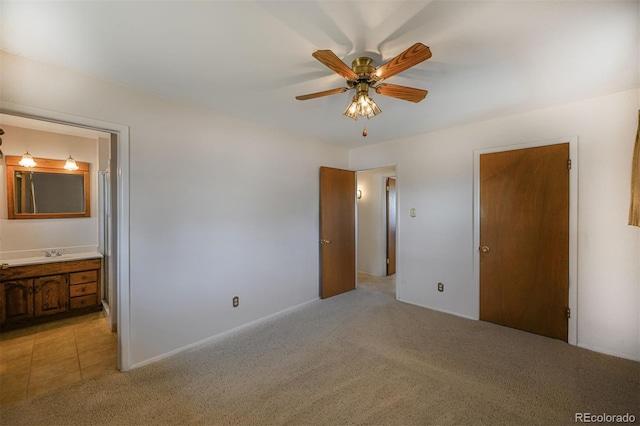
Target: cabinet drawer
column 84, row 301
column 83, row 289
column 83, row 277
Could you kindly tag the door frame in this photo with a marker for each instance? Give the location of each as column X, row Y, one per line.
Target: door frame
column 122, row 215
column 383, row 208
column 573, row 223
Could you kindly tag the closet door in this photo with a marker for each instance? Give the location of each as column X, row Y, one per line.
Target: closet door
column 524, row 239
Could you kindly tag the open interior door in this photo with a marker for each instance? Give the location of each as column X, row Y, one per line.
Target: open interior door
column 391, row 225
column 337, row 231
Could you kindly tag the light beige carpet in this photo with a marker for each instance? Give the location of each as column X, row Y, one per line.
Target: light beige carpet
column 358, row 358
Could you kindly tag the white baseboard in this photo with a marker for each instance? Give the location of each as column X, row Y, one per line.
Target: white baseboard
column 438, row 310
column 608, row 352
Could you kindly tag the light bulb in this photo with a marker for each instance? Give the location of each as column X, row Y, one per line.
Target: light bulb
column 71, row 164
column 27, row 160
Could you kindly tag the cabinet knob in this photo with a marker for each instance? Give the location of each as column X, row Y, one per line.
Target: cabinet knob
column 83, row 302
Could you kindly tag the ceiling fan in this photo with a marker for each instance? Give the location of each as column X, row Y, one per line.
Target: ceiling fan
column 363, row 76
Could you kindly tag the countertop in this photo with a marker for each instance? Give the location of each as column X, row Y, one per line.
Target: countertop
column 43, row 259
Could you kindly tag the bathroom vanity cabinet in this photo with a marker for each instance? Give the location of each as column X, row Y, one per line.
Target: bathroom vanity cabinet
column 42, row 292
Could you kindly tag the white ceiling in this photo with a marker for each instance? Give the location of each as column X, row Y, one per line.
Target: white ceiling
column 251, row 58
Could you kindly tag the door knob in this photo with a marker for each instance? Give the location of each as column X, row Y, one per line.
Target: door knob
column 485, row 249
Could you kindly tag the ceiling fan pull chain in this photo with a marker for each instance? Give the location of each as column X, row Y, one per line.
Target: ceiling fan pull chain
column 364, row 130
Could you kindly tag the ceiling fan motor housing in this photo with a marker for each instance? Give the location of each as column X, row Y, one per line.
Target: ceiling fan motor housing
column 362, row 66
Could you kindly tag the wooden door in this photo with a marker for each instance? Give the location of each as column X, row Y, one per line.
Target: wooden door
column 51, row 295
column 16, row 300
column 391, row 226
column 337, row 231
column 524, row 239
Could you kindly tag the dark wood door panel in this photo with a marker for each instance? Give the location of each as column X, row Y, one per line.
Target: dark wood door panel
column 337, row 231
column 524, row 234
column 391, row 226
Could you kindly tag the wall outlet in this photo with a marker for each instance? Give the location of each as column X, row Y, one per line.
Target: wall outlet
column 236, row 301
column 440, row 287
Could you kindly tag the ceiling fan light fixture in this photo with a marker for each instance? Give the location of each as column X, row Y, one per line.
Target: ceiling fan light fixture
column 362, row 105
column 352, row 109
column 368, row 107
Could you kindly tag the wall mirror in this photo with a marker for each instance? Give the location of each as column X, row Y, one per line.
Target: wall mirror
column 47, row 190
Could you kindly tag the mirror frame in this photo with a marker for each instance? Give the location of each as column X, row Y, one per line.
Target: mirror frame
column 47, row 166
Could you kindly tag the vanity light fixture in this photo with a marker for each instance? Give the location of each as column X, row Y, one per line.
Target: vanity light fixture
column 27, row 160
column 71, row 164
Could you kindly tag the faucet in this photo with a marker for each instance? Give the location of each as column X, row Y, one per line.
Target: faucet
column 53, row 252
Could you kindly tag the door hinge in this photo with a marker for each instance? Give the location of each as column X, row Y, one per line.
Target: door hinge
column 569, row 164
column 388, row 188
column 387, row 260
column 568, row 313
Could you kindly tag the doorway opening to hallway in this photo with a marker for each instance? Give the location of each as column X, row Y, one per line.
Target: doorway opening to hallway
column 376, row 228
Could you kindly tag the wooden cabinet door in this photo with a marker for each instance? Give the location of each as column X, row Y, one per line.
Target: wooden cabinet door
column 16, row 300
column 51, row 295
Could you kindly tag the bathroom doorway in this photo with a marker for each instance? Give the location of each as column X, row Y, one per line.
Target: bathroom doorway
column 111, row 195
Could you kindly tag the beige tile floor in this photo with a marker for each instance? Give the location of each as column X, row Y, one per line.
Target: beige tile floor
column 42, row 358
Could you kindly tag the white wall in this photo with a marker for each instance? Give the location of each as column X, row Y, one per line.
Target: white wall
column 29, row 237
column 435, row 176
column 372, row 216
column 219, row 207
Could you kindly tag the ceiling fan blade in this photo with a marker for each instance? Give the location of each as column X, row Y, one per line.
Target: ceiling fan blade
column 410, row 94
column 321, row 94
column 330, row 59
column 410, row 57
